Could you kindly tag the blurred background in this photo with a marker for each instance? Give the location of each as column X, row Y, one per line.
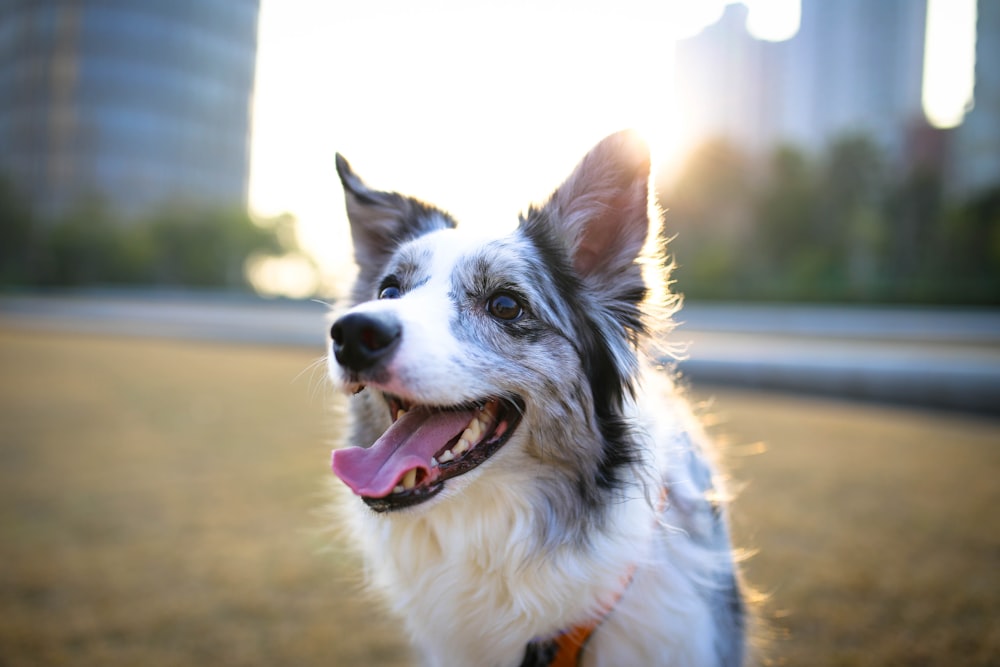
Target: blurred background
column 807, row 150
column 172, row 228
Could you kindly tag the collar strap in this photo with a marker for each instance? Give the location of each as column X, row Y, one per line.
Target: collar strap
column 564, row 649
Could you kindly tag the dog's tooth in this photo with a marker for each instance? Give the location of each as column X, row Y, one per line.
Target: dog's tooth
column 398, row 489
column 447, row 455
column 461, row 447
column 400, row 413
column 434, row 462
column 472, row 432
column 410, row 478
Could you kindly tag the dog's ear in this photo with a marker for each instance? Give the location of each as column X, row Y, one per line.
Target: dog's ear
column 601, row 212
column 381, row 221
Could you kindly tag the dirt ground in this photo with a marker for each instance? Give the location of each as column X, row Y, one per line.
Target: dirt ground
column 164, row 503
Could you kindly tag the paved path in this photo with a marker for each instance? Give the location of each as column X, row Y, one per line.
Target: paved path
column 941, row 357
column 931, row 356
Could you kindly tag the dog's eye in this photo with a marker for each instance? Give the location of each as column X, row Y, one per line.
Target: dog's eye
column 390, row 292
column 503, row 306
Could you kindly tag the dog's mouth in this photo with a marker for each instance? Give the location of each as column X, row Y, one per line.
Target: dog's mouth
column 424, row 447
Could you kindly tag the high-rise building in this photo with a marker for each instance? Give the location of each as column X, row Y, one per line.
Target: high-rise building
column 728, row 84
column 853, row 66
column 136, row 103
column 977, row 140
column 858, row 67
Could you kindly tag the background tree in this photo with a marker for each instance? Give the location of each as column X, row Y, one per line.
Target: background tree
column 786, row 254
column 709, row 219
column 850, row 218
column 17, row 237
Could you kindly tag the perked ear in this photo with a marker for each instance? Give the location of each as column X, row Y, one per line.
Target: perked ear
column 601, row 212
column 381, row 221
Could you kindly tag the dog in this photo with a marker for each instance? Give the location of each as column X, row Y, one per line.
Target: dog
column 530, row 486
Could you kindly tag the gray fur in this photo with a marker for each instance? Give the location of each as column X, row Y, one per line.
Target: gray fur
column 380, row 223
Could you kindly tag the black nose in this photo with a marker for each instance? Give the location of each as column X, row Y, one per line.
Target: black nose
column 360, row 340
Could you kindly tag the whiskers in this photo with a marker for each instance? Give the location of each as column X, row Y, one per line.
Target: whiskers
column 315, row 371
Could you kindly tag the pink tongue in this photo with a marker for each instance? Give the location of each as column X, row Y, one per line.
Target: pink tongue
column 409, row 443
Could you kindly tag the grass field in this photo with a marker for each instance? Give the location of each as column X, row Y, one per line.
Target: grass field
column 161, row 504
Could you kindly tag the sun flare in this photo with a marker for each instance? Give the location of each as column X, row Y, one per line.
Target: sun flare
column 949, row 61
column 482, row 109
column 478, row 111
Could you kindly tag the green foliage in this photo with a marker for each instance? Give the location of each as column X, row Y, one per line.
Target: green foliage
column 16, row 234
column 972, row 239
column 87, row 247
column 176, row 246
column 708, row 216
column 204, row 250
column 840, row 226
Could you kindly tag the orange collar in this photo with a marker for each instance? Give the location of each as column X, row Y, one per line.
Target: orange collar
column 570, row 644
column 564, row 649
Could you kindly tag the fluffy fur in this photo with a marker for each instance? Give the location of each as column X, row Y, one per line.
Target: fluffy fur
column 565, row 519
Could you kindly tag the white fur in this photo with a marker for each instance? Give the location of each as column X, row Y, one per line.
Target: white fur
column 473, row 588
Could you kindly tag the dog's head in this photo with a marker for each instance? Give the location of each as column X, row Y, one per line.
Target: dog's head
column 466, row 352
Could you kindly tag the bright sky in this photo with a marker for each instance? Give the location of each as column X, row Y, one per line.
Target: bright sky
column 478, row 108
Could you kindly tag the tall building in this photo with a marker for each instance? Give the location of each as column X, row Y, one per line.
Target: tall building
column 977, row 139
column 853, row 66
column 135, row 102
column 728, row 84
column 857, row 66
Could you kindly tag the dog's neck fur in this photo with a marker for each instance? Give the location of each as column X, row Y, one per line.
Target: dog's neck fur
column 475, row 582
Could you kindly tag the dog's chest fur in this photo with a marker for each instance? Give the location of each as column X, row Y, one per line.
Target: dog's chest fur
column 474, row 581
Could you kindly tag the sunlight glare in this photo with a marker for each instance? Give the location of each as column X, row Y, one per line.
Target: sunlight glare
column 774, row 20
column 290, row 275
column 480, row 109
column 949, row 61
column 686, row 19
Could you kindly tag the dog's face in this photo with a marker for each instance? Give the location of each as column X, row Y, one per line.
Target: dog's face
column 464, row 351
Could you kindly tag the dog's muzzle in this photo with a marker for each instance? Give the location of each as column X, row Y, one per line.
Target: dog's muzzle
column 361, row 340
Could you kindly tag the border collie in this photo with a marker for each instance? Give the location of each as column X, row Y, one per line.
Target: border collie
column 531, row 487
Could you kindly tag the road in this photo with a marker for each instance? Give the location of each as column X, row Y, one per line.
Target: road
column 938, row 357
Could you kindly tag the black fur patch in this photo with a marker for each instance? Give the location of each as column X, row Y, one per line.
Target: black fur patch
column 609, row 384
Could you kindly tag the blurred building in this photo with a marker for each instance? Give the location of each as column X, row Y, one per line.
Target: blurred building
column 135, row 102
column 855, row 66
column 729, row 84
column 977, row 139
